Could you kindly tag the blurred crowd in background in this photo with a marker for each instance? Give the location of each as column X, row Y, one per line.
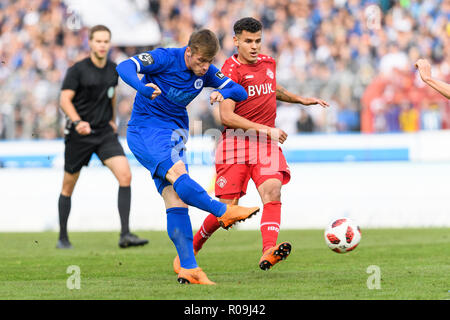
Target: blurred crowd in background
column 357, row 55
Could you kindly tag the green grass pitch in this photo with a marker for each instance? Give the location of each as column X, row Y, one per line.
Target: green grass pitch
column 413, row 264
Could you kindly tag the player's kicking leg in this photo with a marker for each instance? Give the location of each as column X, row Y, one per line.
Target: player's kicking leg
column 121, row 170
column 270, row 192
column 230, row 186
column 222, row 214
column 208, row 227
column 179, row 229
column 191, row 193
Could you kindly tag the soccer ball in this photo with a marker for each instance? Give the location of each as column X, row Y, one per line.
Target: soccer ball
column 342, row 235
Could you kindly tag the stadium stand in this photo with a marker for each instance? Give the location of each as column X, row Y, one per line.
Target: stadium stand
column 358, row 55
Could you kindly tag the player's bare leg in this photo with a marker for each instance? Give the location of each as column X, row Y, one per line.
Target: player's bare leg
column 270, row 193
column 171, row 198
column 69, row 182
column 121, row 169
column 64, row 206
column 270, row 190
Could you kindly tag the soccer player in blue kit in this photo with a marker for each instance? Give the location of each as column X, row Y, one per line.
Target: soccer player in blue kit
column 158, row 130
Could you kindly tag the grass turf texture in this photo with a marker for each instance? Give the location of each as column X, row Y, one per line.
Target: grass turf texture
column 414, row 264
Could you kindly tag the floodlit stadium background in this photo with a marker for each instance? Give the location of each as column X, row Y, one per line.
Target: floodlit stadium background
column 380, row 154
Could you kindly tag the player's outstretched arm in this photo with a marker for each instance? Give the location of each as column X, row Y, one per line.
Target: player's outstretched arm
column 231, row 90
column 128, row 72
column 225, row 87
column 424, row 68
column 232, row 120
column 286, row 96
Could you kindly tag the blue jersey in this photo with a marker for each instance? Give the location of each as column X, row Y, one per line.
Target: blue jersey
column 166, row 68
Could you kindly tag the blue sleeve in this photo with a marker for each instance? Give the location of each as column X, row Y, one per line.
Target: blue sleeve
column 234, row 91
column 127, row 71
column 227, row 87
column 152, row 62
column 214, row 78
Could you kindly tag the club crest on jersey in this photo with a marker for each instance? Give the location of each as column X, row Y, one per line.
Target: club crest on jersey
column 221, row 181
column 198, row 84
column 270, row 73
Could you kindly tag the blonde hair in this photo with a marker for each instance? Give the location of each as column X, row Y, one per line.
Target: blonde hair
column 205, row 42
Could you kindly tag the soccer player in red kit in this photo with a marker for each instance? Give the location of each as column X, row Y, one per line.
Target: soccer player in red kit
column 249, row 144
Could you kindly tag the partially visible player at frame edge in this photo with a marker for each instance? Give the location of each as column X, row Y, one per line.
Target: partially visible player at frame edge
column 261, row 159
column 158, row 130
column 440, row 86
column 88, row 98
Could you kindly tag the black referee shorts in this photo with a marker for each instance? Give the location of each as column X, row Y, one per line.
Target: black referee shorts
column 79, row 149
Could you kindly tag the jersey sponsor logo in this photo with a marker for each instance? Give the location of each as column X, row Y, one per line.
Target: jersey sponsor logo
column 180, row 97
column 198, row 84
column 221, row 181
column 146, row 58
column 220, row 75
column 265, row 88
column 270, row 73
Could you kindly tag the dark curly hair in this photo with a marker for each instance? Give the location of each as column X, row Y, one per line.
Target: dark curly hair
column 247, row 24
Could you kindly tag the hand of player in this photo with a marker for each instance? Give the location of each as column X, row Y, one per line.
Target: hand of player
column 113, row 125
column 424, row 68
column 216, row 96
column 321, row 102
column 83, row 128
column 157, row 91
column 277, row 135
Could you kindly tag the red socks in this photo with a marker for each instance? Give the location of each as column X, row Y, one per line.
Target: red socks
column 210, row 224
column 270, row 224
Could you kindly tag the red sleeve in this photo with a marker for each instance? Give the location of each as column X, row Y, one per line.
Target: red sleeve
column 230, row 70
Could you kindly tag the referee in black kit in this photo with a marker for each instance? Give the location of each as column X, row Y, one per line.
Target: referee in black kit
column 88, row 99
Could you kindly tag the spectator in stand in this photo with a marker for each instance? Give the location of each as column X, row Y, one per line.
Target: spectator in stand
column 335, row 49
column 305, row 122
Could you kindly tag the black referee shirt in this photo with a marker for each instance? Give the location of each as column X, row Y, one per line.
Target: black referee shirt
column 94, row 88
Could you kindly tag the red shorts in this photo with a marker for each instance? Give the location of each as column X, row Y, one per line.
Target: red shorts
column 233, row 176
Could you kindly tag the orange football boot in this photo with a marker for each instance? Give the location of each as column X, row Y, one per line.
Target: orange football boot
column 176, row 263
column 235, row 214
column 274, row 255
column 193, row 276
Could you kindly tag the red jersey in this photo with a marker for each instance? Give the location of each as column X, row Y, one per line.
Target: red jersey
column 259, row 80
column 241, row 157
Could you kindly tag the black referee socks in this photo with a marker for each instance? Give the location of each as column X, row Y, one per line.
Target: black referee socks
column 124, row 201
column 64, row 204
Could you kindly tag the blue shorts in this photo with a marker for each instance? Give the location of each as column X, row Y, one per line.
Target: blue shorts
column 158, row 150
